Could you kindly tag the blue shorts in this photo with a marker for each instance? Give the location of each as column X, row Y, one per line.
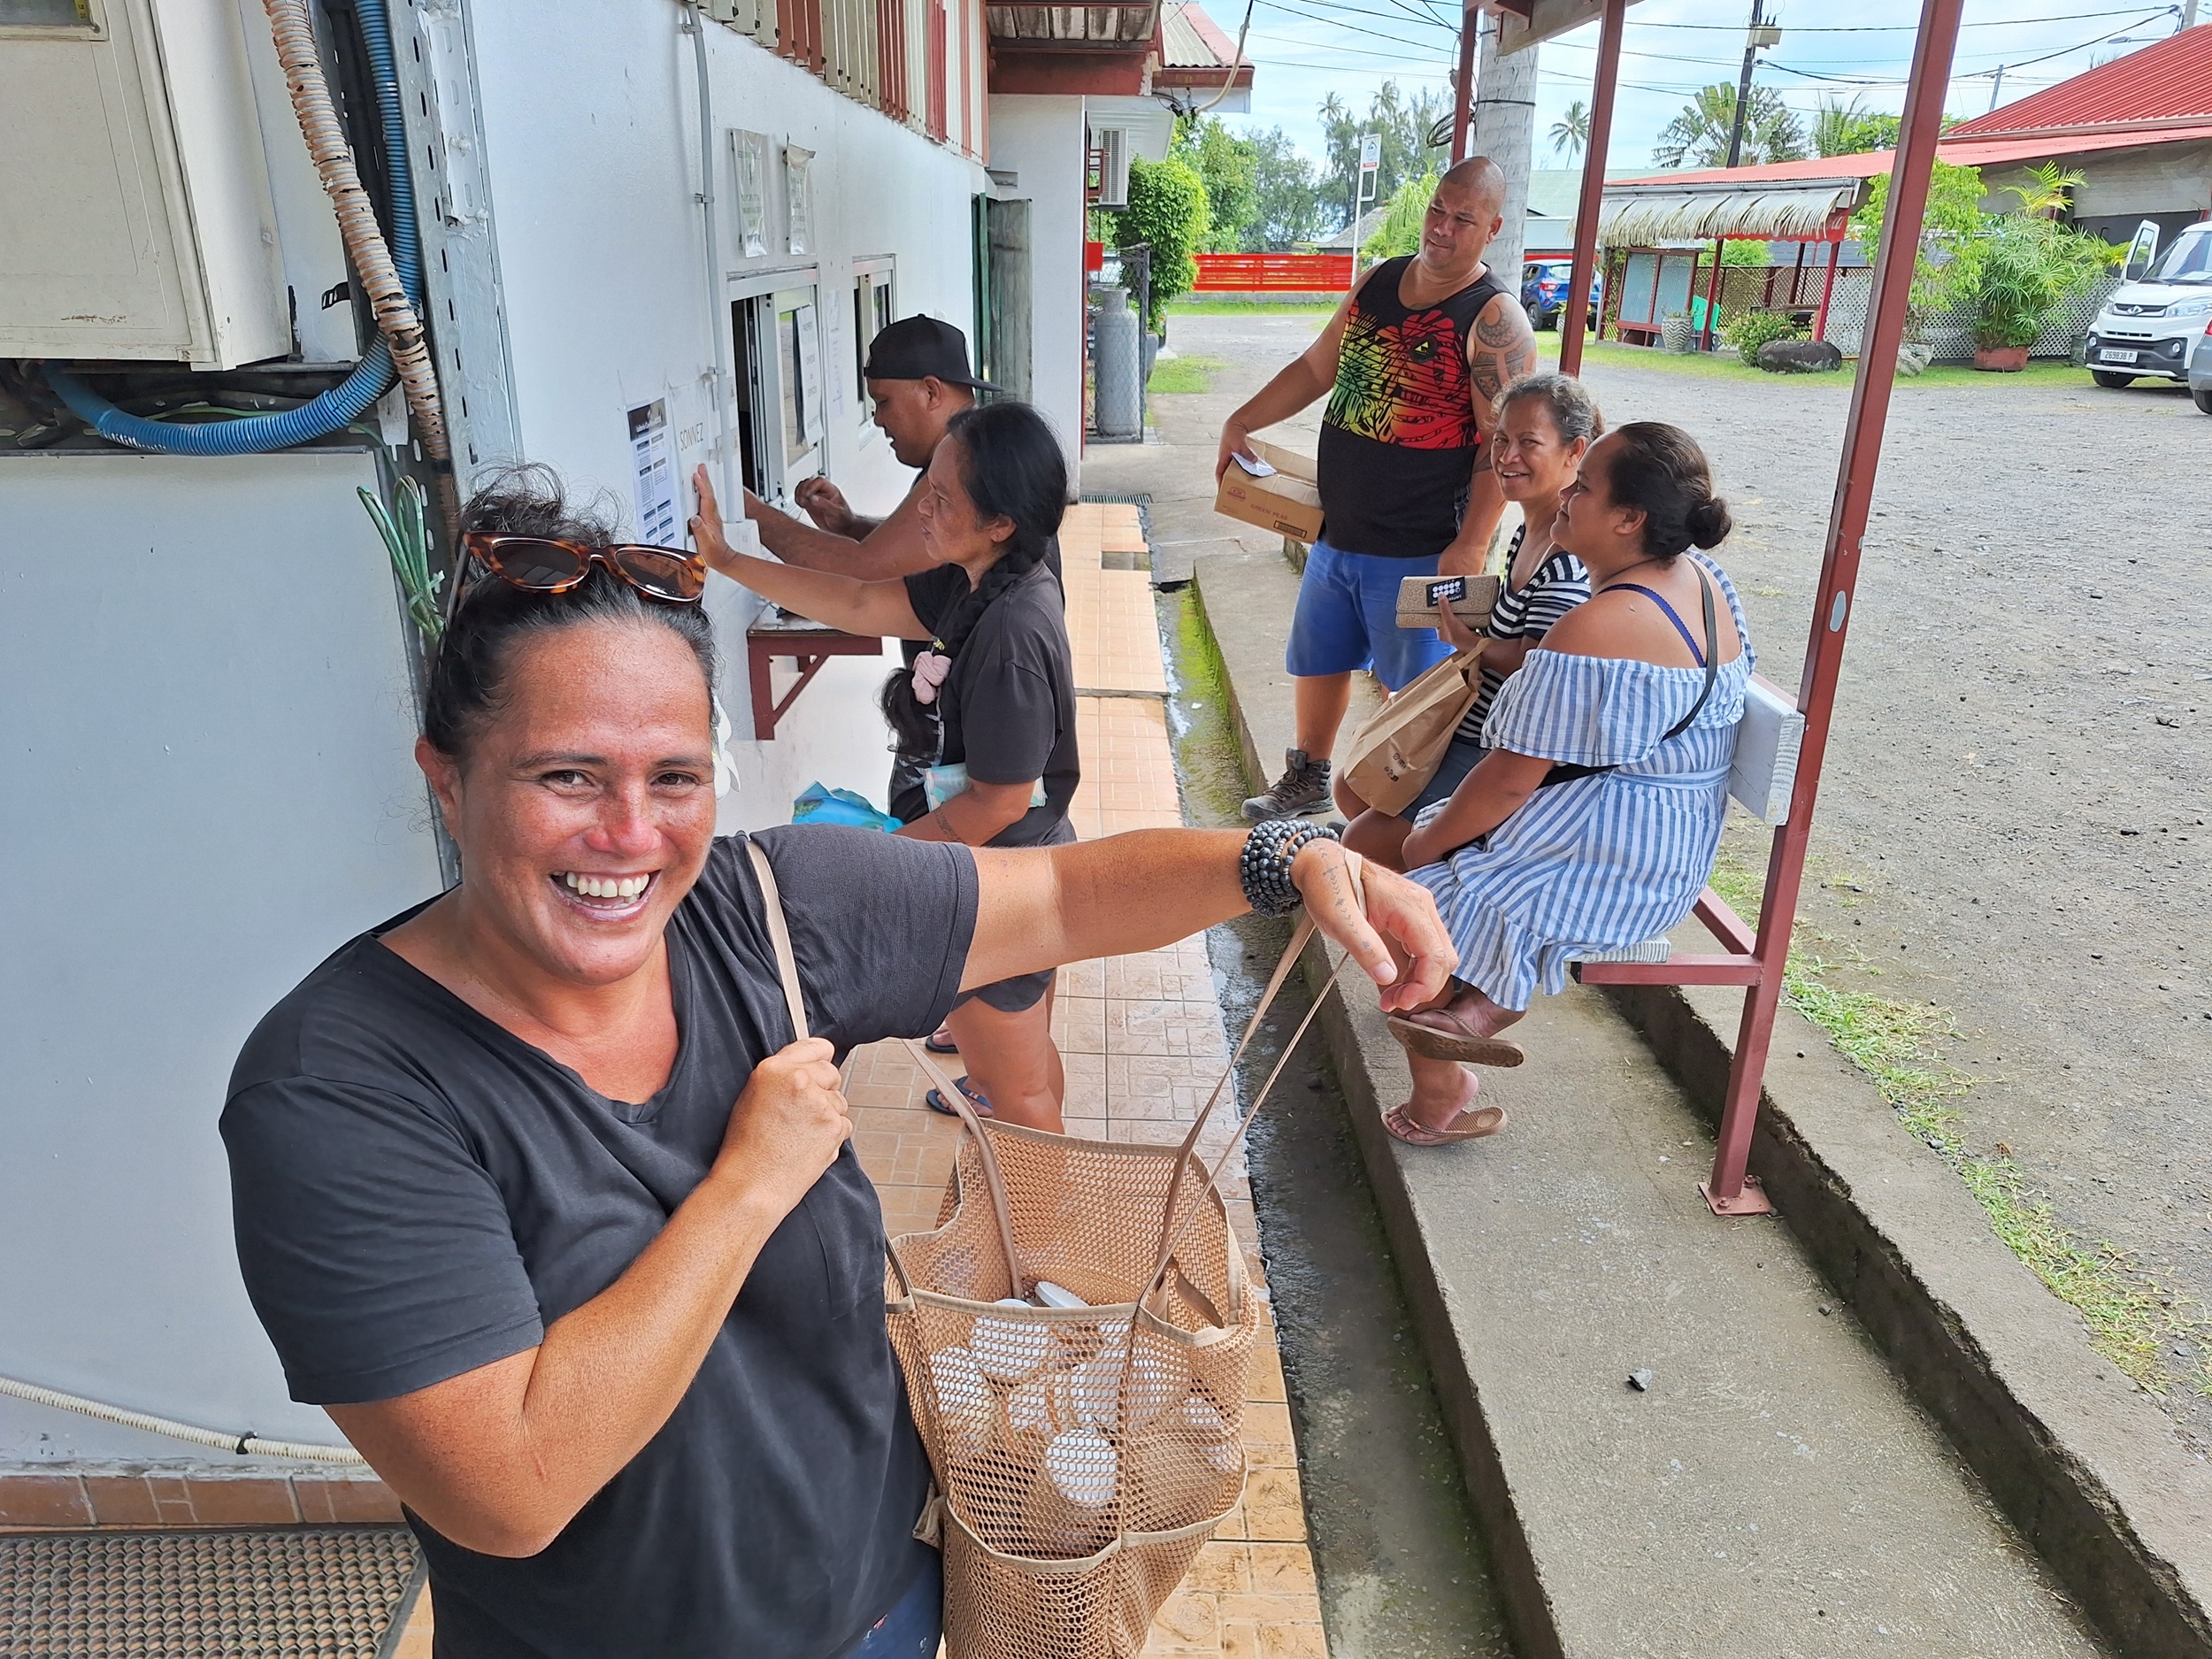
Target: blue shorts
column 1348, row 619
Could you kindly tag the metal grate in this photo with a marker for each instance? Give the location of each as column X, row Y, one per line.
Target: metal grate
column 292, row 1592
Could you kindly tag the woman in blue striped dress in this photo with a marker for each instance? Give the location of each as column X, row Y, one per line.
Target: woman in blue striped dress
column 1591, row 822
column 1546, row 424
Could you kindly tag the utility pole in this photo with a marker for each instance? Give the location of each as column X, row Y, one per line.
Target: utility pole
column 1762, row 34
column 1997, row 86
column 2188, row 12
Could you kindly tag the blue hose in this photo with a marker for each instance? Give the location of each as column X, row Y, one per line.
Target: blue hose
column 342, row 404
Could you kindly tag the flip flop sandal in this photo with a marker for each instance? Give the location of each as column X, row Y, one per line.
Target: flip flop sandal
column 931, row 1043
column 1438, row 1042
column 1401, row 1123
column 936, row 1103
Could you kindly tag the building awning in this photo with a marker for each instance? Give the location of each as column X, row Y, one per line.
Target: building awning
column 1808, row 210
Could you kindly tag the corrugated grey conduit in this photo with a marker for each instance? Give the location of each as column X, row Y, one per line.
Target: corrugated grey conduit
column 247, row 1445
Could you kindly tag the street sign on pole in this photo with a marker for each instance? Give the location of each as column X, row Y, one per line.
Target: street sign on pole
column 1369, row 151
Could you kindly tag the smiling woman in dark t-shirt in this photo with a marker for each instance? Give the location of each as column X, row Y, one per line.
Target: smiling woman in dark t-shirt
column 998, row 672
column 536, row 1195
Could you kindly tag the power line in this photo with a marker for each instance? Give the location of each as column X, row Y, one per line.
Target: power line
column 1884, row 28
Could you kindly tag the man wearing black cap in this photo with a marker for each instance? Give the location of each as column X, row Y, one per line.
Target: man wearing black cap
column 918, row 380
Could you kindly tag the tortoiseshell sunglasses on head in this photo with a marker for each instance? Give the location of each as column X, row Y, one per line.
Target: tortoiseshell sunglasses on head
column 540, row 566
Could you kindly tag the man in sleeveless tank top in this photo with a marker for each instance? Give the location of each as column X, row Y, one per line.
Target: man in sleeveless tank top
column 1412, row 362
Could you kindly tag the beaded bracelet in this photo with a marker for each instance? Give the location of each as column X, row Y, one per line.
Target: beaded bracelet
column 1264, row 866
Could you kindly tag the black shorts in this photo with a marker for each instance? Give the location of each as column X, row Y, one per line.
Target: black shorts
column 1016, row 996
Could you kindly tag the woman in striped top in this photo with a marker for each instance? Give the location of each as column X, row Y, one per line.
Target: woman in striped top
column 1592, row 821
column 1546, row 422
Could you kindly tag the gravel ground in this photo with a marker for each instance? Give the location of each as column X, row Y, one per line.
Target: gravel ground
column 2013, row 821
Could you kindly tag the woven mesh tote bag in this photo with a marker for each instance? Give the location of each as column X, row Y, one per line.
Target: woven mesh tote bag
column 1084, row 1453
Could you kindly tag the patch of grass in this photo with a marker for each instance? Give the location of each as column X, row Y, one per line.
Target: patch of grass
column 2134, row 1321
column 1184, row 374
column 1702, row 365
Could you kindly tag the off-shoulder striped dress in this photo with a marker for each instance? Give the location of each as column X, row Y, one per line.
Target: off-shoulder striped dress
column 1603, row 861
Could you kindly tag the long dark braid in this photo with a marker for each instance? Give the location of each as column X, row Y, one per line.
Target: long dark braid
column 1011, row 467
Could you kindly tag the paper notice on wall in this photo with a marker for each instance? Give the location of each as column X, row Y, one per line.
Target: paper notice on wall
column 749, row 152
column 653, row 475
column 810, row 388
column 798, row 197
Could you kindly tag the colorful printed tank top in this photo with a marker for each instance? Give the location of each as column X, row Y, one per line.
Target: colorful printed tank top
column 1398, row 439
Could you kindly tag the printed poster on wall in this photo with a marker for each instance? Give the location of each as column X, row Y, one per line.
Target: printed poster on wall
column 748, row 153
column 653, row 475
column 798, row 197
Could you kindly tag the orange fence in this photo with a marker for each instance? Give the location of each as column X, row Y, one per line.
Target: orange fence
column 1273, row 272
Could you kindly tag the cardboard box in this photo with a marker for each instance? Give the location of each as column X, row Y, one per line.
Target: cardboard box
column 1288, row 501
column 1418, row 597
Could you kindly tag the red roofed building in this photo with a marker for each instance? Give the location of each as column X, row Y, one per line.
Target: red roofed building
column 2139, row 129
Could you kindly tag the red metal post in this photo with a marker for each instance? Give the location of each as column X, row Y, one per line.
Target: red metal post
column 1608, row 76
column 1727, row 1190
column 1827, row 289
column 1464, row 94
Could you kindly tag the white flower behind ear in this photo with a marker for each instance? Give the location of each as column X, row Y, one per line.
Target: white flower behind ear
column 725, row 768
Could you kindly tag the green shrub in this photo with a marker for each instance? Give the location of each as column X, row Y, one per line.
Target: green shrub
column 2010, row 276
column 1167, row 208
column 1748, row 331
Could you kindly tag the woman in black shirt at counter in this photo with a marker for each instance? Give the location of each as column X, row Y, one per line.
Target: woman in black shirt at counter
column 999, row 676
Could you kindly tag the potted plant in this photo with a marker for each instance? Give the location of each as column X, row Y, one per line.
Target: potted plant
column 2011, row 277
column 1675, row 333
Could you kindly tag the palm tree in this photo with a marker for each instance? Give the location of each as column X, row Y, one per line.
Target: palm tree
column 1699, row 136
column 2049, row 190
column 1570, row 135
column 1836, row 125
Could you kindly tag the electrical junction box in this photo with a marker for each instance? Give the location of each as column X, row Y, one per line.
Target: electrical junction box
column 135, row 217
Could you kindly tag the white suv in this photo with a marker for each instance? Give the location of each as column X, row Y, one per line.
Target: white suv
column 2148, row 325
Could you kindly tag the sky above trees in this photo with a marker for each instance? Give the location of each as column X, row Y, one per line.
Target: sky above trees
column 1306, row 51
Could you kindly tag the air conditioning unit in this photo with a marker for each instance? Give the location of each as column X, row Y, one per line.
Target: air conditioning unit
column 1113, row 166
column 135, row 217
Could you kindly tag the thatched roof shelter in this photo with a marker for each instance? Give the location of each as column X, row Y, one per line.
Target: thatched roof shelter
column 1767, row 210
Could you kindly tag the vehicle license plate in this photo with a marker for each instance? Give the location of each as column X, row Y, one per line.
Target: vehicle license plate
column 2116, row 356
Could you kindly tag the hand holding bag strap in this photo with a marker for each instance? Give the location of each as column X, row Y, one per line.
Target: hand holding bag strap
column 788, row 971
column 780, row 938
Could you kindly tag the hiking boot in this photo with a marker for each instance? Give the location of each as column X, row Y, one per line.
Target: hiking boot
column 1303, row 787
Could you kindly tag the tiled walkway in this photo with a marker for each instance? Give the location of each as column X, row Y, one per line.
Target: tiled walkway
column 1143, row 1043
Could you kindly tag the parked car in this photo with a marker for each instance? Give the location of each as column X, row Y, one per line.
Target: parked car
column 2201, row 371
column 2148, row 325
column 1544, row 290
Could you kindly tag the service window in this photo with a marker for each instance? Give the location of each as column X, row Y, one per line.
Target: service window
column 873, row 312
column 781, row 388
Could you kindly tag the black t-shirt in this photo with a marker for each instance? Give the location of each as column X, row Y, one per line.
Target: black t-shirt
column 1009, row 701
column 417, row 1193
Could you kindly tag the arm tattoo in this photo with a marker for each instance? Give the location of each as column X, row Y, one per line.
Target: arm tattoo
column 1505, row 350
column 1495, row 330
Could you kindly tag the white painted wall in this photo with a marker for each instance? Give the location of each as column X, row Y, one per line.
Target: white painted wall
column 210, row 777
column 1040, row 140
column 592, row 141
